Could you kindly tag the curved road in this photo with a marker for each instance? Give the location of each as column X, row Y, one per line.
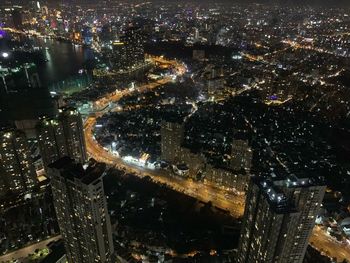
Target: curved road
column 202, row 191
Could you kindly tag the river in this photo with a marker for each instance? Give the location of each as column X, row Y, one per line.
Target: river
column 64, row 61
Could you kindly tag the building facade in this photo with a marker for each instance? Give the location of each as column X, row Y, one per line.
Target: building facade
column 62, row 136
column 227, row 178
column 72, row 124
column 134, row 46
column 81, row 210
column 118, row 58
column 17, row 173
column 172, row 135
column 241, row 155
column 51, row 140
column 278, row 219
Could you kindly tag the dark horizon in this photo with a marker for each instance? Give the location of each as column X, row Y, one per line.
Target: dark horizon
column 312, row 3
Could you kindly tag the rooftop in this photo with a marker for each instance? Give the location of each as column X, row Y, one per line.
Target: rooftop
column 274, row 195
column 71, row 170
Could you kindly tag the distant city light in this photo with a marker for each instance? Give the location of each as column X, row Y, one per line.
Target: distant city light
column 237, row 57
column 5, row 54
column 27, row 196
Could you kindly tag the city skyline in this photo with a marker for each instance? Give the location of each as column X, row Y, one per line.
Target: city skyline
column 174, row 131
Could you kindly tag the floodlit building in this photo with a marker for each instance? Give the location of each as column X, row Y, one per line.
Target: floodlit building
column 81, row 210
column 278, row 219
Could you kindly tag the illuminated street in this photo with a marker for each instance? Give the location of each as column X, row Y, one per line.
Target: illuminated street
column 223, row 199
column 197, row 190
column 204, row 192
column 329, row 245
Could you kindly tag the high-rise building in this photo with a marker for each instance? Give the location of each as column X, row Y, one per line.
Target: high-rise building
column 241, row 154
column 74, row 133
column 241, row 151
column 133, row 40
column 51, row 140
column 172, row 135
column 278, row 219
column 17, row 171
column 81, row 210
column 62, row 136
column 118, row 58
column 17, row 18
column 215, row 87
column 196, row 34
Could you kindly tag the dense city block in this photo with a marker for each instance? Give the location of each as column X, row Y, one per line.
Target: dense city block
column 174, row 131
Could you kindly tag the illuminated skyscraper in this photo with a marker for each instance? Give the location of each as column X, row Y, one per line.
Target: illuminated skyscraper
column 62, row 136
column 127, row 52
column 51, row 139
column 17, row 171
column 172, row 135
column 81, row 210
column 74, row 133
column 133, row 40
column 118, row 57
column 278, row 219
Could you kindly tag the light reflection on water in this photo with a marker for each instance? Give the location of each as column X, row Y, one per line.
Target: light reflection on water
column 64, row 60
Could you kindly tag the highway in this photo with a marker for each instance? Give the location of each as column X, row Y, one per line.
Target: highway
column 205, row 192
